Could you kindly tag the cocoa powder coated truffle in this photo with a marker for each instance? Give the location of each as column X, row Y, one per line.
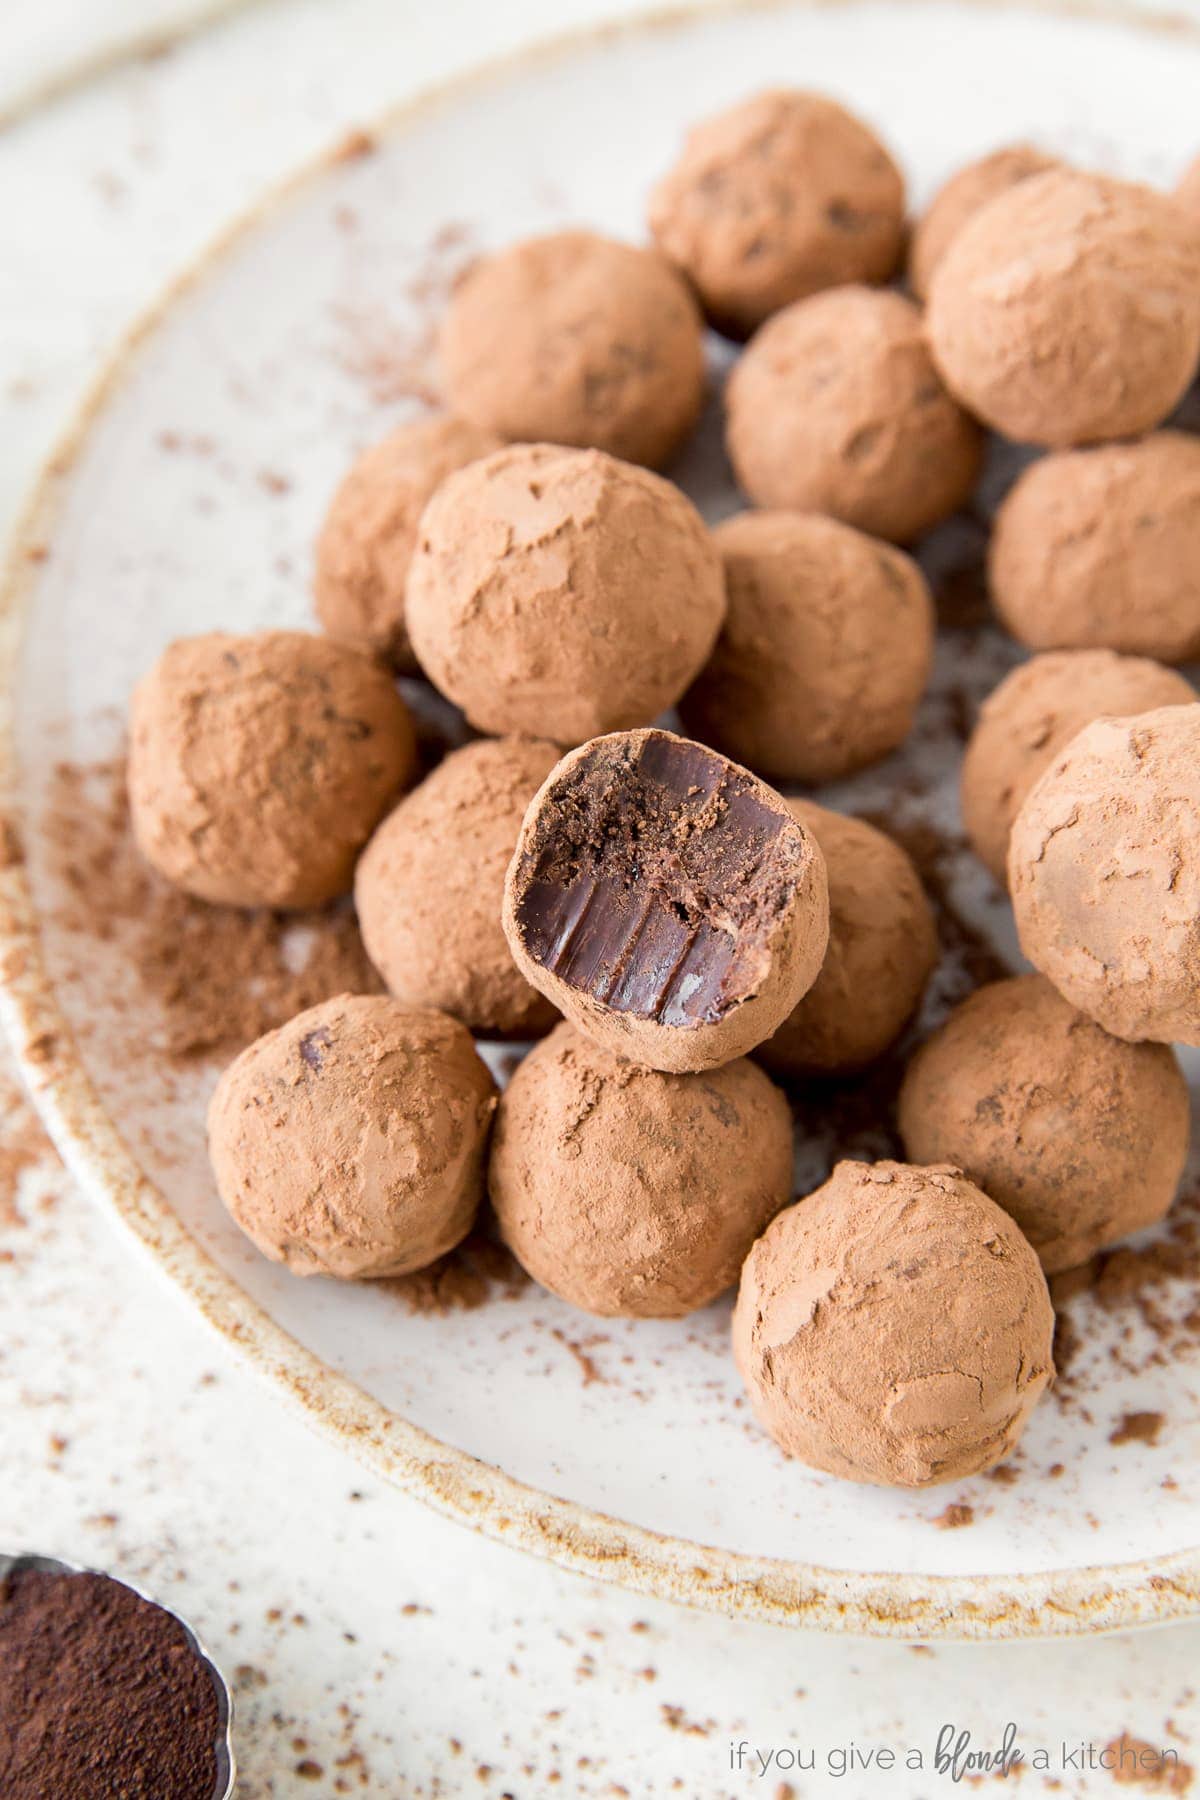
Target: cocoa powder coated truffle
column 825, row 651
column 960, row 198
column 1104, row 868
column 1081, row 1137
column 630, row 1192
column 1067, row 310
column 430, row 884
column 836, row 407
column 1102, row 547
column 367, row 540
column 1188, row 191
column 259, row 766
column 883, row 947
column 351, row 1141
column 895, row 1327
column 780, row 196
column 1033, row 715
column 561, row 593
column 575, row 339
column 666, row 901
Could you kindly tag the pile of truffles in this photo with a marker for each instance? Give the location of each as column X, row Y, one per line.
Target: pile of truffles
column 604, row 865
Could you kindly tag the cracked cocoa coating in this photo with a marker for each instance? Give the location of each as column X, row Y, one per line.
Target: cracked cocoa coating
column 633, row 1193
column 1081, row 1137
column 1067, row 310
column 562, row 593
column 1102, row 548
column 1104, row 870
column 1032, row 716
column 894, row 1327
column 778, row 197
column 367, row 540
column 883, row 947
column 351, row 1141
column 825, row 651
column 836, row 407
column 259, row 766
column 576, row 339
column 430, row 884
column 960, row 198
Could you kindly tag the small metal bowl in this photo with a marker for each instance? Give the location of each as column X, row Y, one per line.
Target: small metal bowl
column 223, row 1747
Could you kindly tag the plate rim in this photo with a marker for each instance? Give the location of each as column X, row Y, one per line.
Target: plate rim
column 480, row 1495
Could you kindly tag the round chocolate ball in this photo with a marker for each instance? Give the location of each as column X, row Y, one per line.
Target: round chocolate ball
column 366, row 542
column 633, row 1193
column 430, row 885
column 561, row 593
column 960, row 198
column 883, row 947
column 1102, row 548
column 1032, row 716
column 894, row 1327
column 1081, row 1137
column 1104, row 868
column 780, row 196
column 666, row 901
column 1067, row 310
column 259, row 766
column 825, row 651
column 836, row 407
column 575, row 339
column 351, row 1141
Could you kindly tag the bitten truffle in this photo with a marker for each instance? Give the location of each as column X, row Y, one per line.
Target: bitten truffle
column 366, row 542
column 666, row 901
column 836, row 407
column 960, row 198
column 1032, row 716
column 575, row 339
column 351, row 1141
column 1081, row 1137
column 1067, row 310
column 1104, row 868
column 430, row 884
column 883, row 947
column 561, row 593
column 1102, row 547
column 895, row 1327
column 630, row 1192
column 259, row 766
column 825, row 651
column 780, row 196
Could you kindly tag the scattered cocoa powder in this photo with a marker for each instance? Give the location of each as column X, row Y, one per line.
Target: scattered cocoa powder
column 1138, row 1764
column 1138, row 1428
column 479, row 1270
column 955, row 1516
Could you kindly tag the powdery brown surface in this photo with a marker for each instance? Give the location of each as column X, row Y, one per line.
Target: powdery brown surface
column 960, row 198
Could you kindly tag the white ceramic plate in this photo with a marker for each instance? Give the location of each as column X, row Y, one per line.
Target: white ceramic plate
column 187, row 501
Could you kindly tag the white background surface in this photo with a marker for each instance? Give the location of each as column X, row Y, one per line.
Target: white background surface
column 364, row 1627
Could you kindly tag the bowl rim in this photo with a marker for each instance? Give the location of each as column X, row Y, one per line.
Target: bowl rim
column 1044, row 1603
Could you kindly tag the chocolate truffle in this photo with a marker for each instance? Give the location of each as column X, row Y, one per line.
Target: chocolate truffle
column 1102, row 547
column 1104, row 868
column 780, row 196
column 1188, row 191
column 561, row 593
column 1081, row 1137
column 630, row 1192
column 367, row 540
column 1067, row 310
column 259, row 766
column 350, row 1142
column 575, row 339
column 960, row 198
column 825, row 651
column 666, row 901
column 837, row 408
column 895, row 1327
column 1032, row 716
column 430, row 884
column 883, row 947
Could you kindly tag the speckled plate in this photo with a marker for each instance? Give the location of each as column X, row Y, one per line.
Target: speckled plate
column 187, row 498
